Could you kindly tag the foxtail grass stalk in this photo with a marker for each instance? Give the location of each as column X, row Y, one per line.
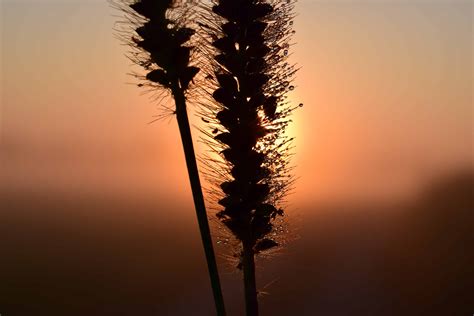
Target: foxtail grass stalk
column 186, row 139
column 248, row 44
column 250, row 282
column 159, row 35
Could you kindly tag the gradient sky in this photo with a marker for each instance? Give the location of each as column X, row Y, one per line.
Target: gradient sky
column 386, row 87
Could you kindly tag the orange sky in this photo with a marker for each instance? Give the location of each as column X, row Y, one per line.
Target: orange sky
column 386, row 87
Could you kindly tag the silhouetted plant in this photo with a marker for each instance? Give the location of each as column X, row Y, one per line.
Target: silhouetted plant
column 158, row 32
column 247, row 78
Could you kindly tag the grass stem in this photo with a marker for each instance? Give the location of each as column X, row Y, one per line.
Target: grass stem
column 250, row 287
column 186, row 138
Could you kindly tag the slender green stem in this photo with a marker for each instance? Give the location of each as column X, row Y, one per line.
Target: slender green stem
column 186, row 138
column 248, row 265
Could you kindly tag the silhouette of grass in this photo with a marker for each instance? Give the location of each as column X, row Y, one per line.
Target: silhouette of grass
column 247, row 77
column 160, row 38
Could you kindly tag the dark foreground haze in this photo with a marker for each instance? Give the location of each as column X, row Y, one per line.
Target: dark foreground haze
column 98, row 257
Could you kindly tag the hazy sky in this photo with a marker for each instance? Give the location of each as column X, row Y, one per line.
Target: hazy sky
column 386, row 87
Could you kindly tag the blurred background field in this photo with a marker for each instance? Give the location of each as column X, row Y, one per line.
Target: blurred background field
column 119, row 257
